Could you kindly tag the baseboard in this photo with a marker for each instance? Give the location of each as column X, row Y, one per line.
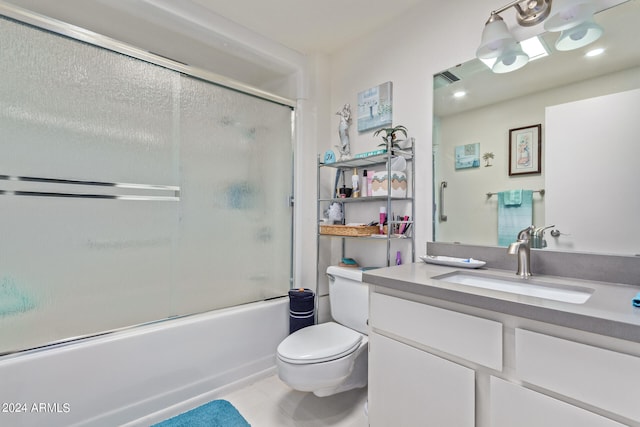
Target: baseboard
column 200, row 399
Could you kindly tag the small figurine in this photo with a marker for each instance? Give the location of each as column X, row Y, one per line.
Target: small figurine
column 343, row 130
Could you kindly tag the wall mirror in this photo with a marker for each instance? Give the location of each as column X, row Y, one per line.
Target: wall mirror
column 588, row 111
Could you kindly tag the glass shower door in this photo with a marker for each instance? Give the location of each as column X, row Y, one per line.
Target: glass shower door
column 131, row 192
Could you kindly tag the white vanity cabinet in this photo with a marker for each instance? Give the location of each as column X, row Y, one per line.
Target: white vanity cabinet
column 410, row 387
column 436, row 363
column 514, row 405
column 469, row 337
column 606, row 379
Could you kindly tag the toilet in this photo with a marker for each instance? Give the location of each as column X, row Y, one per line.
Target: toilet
column 331, row 357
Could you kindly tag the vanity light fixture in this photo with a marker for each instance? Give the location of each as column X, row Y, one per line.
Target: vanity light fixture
column 495, row 38
column 499, row 46
column 580, row 36
column 511, row 59
column 497, row 41
column 573, row 18
column 534, row 47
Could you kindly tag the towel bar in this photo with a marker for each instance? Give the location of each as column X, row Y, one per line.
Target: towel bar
column 542, row 191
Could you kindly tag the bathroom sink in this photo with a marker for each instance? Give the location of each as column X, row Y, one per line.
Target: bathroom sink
column 528, row 287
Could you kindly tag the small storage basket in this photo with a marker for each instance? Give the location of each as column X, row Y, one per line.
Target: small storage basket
column 349, row 230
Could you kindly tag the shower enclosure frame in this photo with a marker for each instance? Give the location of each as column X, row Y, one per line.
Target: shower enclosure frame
column 73, row 32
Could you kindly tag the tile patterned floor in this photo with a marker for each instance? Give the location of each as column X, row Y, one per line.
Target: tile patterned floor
column 271, row 403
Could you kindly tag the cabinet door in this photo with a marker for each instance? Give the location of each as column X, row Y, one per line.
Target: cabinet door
column 409, row 387
column 597, row 376
column 512, row 405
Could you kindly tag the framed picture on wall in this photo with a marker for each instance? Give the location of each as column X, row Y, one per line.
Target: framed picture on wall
column 467, row 156
column 525, row 150
column 374, row 107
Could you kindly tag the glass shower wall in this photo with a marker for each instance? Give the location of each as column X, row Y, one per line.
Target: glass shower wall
column 130, row 192
column 236, row 175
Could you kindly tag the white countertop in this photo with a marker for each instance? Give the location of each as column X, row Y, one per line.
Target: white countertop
column 607, row 312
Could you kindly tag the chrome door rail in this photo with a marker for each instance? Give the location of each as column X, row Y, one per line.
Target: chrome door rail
column 167, row 192
column 68, row 30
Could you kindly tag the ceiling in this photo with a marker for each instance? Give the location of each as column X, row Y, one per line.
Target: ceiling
column 220, row 35
column 209, row 34
column 310, row 26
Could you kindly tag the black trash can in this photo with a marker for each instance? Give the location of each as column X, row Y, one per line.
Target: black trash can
column 301, row 308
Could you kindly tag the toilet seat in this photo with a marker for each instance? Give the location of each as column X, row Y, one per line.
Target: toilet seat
column 319, row 343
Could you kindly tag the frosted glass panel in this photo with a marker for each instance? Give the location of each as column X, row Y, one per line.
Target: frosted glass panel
column 69, row 110
column 74, row 266
column 236, row 176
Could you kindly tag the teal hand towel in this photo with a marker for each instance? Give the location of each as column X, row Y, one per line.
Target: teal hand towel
column 513, row 218
column 512, row 197
column 636, row 300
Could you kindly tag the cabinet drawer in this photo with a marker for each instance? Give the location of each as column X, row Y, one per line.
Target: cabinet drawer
column 472, row 338
column 512, row 405
column 602, row 378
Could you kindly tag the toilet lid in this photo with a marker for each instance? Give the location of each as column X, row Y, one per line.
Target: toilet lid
column 319, row 343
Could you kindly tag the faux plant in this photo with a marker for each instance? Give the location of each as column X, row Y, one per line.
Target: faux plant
column 390, row 136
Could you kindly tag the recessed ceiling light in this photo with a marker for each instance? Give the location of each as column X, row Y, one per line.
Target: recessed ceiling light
column 459, row 94
column 595, row 52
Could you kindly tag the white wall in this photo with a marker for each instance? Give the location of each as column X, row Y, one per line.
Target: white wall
column 311, row 111
column 602, row 174
column 431, row 37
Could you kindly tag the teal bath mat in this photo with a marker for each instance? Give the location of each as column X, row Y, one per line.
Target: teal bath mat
column 217, row 413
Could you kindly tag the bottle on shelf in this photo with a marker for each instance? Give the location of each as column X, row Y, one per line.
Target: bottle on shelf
column 355, row 183
column 383, row 218
column 365, row 187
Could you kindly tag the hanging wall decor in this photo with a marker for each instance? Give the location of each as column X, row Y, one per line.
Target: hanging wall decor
column 525, row 150
column 374, row 107
column 467, row 156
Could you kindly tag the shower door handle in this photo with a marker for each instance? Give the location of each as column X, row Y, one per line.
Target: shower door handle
column 443, row 185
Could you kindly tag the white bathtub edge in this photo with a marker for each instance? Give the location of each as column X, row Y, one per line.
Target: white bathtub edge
column 194, row 402
column 152, row 371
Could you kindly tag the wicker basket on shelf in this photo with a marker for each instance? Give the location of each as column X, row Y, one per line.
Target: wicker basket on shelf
column 350, row 230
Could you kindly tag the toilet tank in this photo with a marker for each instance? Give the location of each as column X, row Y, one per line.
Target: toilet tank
column 349, row 298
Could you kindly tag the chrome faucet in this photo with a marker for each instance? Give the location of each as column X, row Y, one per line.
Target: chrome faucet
column 539, row 241
column 523, row 250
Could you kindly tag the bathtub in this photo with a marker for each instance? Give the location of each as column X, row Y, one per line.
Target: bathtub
column 144, row 374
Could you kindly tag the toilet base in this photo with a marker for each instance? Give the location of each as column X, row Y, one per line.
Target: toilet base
column 357, row 379
column 328, row 378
